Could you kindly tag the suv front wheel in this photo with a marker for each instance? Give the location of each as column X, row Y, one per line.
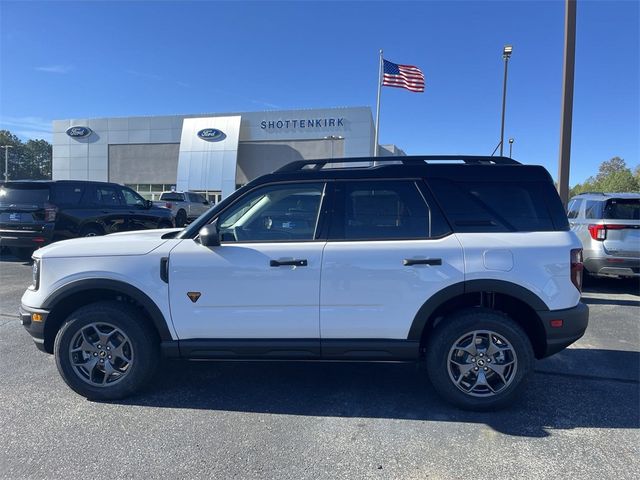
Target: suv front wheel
column 479, row 359
column 106, row 351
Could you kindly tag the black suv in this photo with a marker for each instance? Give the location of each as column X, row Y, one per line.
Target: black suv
column 35, row 213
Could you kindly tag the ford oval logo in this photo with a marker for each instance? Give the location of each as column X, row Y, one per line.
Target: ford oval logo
column 211, row 134
column 79, row 132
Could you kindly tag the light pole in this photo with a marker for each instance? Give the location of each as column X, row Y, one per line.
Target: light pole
column 332, row 138
column 506, row 54
column 6, row 161
column 510, row 146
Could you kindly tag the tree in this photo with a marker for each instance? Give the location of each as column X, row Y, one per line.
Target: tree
column 26, row 161
column 613, row 176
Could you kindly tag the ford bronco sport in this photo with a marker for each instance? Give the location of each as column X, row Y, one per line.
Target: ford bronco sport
column 465, row 262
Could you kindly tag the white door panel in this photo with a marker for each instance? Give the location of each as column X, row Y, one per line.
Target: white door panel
column 242, row 296
column 367, row 292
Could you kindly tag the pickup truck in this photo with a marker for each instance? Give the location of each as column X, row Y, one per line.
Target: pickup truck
column 186, row 206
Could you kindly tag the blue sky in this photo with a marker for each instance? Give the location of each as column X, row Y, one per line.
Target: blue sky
column 96, row 59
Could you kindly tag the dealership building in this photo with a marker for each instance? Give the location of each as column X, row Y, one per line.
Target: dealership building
column 208, row 153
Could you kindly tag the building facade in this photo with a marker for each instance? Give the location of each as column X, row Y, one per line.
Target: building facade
column 209, row 153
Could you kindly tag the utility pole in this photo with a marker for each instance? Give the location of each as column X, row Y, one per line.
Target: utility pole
column 6, row 161
column 566, row 118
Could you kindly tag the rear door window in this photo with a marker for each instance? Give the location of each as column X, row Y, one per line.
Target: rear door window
column 622, row 209
column 380, row 210
column 103, row 196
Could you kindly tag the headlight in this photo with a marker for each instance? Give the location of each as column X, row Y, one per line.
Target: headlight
column 35, row 280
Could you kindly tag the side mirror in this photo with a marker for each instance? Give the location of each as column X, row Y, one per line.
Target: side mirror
column 209, row 235
column 148, row 204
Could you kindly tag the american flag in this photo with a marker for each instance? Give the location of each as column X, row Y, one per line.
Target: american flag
column 403, row 76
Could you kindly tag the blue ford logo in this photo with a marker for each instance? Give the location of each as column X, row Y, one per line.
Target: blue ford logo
column 211, row 134
column 79, row 132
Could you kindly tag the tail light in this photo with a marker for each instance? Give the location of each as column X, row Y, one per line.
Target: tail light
column 576, row 268
column 168, row 205
column 50, row 212
column 599, row 232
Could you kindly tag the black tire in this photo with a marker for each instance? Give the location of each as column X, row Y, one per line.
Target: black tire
column 22, row 253
column 144, row 351
column 91, row 231
column 181, row 218
column 440, row 352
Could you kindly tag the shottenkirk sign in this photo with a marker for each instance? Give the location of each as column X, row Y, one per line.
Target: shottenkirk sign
column 302, row 123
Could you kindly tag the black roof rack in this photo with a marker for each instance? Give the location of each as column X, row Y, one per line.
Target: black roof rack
column 407, row 160
column 592, row 193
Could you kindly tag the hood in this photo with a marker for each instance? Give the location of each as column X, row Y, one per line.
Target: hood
column 115, row 244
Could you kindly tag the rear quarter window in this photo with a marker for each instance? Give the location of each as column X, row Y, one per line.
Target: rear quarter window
column 500, row 206
column 68, row 195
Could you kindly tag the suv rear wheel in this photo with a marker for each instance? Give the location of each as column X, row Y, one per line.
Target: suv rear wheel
column 479, row 359
column 106, row 351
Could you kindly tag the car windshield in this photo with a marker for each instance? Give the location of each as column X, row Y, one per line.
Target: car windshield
column 622, row 209
column 23, row 195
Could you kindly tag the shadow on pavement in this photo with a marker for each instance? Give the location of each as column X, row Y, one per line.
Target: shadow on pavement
column 611, row 301
column 629, row 286
column 557, row 398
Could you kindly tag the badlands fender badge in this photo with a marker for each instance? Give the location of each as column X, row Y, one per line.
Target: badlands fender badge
column 193, row 296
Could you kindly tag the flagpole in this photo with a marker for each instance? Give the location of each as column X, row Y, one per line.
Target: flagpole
column 375, row 143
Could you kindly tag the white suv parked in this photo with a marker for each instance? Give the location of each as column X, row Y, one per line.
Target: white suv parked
column 467, row 262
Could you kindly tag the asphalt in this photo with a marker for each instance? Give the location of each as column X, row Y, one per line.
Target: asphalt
column 579, row 418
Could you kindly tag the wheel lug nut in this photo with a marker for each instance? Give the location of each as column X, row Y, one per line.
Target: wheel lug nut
column 475, row 369
column 488, row 359
column 482, row 354
column 109, row 357
column 473, row 359
column 485, row 369
column 108, row 348
column 95, row 354
column 99, row 346
column 102, row 360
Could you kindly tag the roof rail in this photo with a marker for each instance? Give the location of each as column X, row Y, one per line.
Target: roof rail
column 405, row 160
column 592, row 193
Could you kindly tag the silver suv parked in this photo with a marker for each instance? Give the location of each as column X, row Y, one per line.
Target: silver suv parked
column 608, row 224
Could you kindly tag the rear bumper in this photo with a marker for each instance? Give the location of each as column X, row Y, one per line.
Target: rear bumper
column 574, row 324
column 33, row 326
column 26, row 238
column 613, row 266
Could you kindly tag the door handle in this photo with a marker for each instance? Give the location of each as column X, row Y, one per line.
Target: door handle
column 407, row 262
column 283, row 263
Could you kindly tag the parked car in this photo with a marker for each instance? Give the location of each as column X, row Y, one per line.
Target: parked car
column 186, row 206
column 36, row 213
column 470, row 266
column 608, row 225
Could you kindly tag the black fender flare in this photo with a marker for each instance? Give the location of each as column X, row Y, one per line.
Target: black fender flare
column 115, row 286
column 495, row 286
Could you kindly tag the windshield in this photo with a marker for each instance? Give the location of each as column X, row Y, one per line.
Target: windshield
column 23, row 195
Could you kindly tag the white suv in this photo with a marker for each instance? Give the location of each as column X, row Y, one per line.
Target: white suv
column 467, row 262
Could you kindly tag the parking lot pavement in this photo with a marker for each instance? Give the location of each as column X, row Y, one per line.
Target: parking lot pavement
column 579, row 418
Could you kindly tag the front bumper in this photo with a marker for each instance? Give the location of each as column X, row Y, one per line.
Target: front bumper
column 613, row 266
column 33, row 320
column 574, row 324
